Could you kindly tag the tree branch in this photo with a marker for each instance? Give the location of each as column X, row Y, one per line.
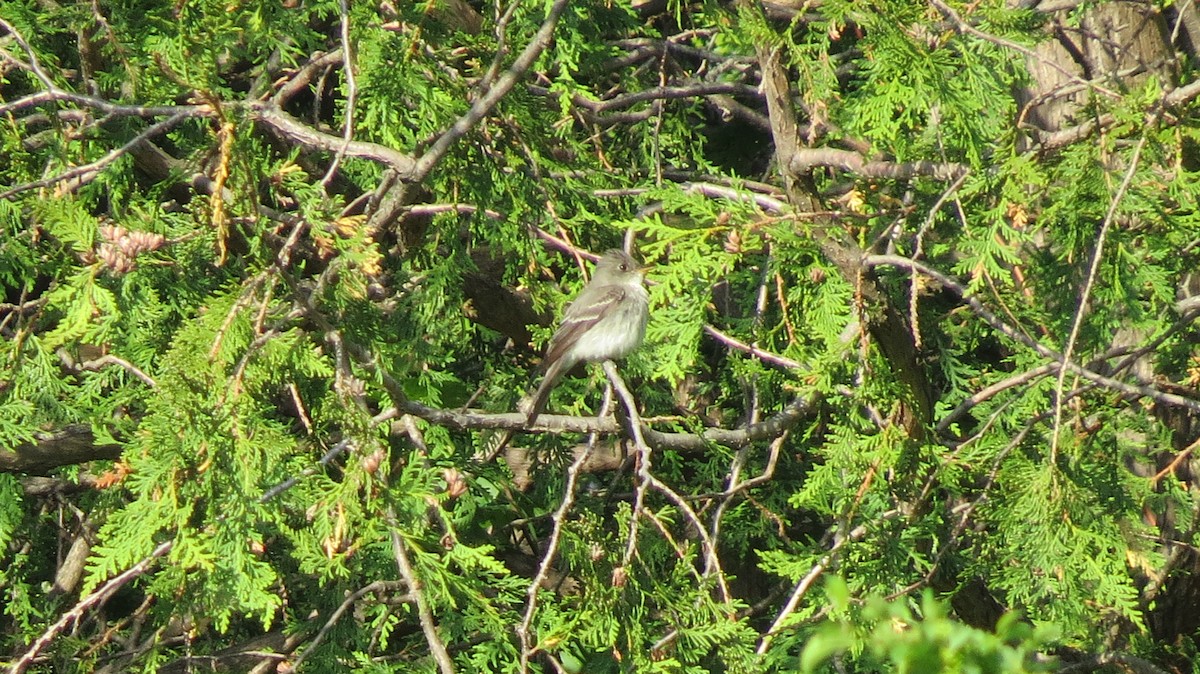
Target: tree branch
column 486, row 102
column 81, row 175
column 1085, row 294
column 389, row 198
column 72, row 445
column 98, row 596
column 1012, row 333
column 885, row 323
column 525, row 628
column 291, row 129
column 375, row 587
column 806, row 159
column 437, row 648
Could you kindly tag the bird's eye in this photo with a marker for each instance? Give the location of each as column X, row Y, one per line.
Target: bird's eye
column 624, row 267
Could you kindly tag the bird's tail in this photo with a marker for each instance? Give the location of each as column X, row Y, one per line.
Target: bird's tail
column 533, row 405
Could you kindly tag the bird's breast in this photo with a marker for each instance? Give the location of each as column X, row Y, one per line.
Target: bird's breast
column 617, row 334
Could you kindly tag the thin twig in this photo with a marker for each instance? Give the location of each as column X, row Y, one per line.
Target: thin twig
column 351, row 599
column 351, row 95
column 988, row 392
column 287, row 484
column 484, row 104
column 806, row 582
column 752, row 416
column 525, row 629
column 501, row 45
column 1179, row 458
column 635, row 428
column 765, row 356
column 1081, row 309
column 94, row 599
column 736, row 485
column 109, row 359
column 87, row 172
column 415, row 587
column 918, row 251
column 966, row 28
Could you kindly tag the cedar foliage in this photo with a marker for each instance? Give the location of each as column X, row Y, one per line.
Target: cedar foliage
column 214, row 302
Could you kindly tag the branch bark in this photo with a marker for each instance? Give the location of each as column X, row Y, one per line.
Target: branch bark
column 884, row 321
column 72, row 445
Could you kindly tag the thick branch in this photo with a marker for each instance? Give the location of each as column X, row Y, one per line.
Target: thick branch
column 1059, row 139
column 72, row 445
column 807, row 159
column 37, row 486
column 768, row 429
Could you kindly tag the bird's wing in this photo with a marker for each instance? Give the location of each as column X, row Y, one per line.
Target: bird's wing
column 578, row 318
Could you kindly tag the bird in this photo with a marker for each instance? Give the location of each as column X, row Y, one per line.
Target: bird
column 606, row 321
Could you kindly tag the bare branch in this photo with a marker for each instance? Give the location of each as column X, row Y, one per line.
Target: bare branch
column 766, row 202
column 98, row 596
column 81, row 175
column 1126, row 662
column 376, row 587
column 55, row 94
column 712, row 560
column 38, row 486
column 292, row 129
column 303, row 77
column 351, row 94
column 433, row 209
column 486, row 102
column 805, row 583
column 806, row 159
column 769, row 429
column 990, row 391
column 965, row 28
column 110, row 359
column 1064, row 137
column 765, row 356
column 693, row 90
column 525, row 629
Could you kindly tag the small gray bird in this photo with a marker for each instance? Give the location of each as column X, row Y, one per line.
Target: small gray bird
column 605, row 322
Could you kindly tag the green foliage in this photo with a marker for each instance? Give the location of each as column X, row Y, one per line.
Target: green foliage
column 10, row 509
column 902, row 636
column 271, row 320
